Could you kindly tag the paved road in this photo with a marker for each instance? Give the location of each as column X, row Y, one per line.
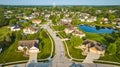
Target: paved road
column 59, row 60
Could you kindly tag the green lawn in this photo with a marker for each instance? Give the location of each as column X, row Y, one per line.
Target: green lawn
column 63, row 34
column 45, row 45
column 114, row 58
column 96, row 37
column 11, row 54
column 59, row 27
column 3, row 31
column 74, row 52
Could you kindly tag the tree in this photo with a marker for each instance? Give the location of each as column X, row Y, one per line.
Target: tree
column 111, row 17
column 8, row 38
column 3, row 21
column 18, row 35
column 12, row 21
column 75, row 40
column 112, row 49
column 118, row 45
column 75, row 21
column 28, row 12
column 109, row 38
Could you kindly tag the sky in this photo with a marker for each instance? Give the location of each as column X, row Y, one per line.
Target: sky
column 60, row 2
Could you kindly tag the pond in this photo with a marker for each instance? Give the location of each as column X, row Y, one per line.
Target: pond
column 96, row 29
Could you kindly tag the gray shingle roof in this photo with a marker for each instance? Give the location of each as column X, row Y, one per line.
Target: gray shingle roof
column 29, row 43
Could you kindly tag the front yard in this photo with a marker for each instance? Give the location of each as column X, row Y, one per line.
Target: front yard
column 74, row 52
column 11, row 53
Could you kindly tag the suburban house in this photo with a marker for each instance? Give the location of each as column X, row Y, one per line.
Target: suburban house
column 82, row 19
column 68, row 30
column 78, row 33
column 28, row 17
column 98, row 11
column 66, row 15
column 0, row 49
column 15, row 27
column 58, row 14
column 92, row 19
column 92, row 46
column 85, row 15
column 30, row 30
column 118, row 25
column 66, row 21
column 35, row 14
column 104, row 21
column 116, row 21
column 36, row 21
column 9, row 11
column 112, row 11
column 47, row 16
column 29, row 45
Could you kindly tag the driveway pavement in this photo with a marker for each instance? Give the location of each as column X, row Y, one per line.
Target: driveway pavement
column 90, row 57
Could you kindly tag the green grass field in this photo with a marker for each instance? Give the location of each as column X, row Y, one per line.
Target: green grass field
column 63, row 34
column 74, row 52
column 96, row 37
column 45, row 46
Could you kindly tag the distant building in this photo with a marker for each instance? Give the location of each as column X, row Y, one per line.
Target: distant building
column 36, row 21
column 85, row 15
column 82, row 19
column 66, row 21
column 78, row 33
column 30, row 30
column 116, row 21
column 28, row 17
column 104, row 21
column 47, row 16
column 92, row 19
column 15, row 27
column 68, row 30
